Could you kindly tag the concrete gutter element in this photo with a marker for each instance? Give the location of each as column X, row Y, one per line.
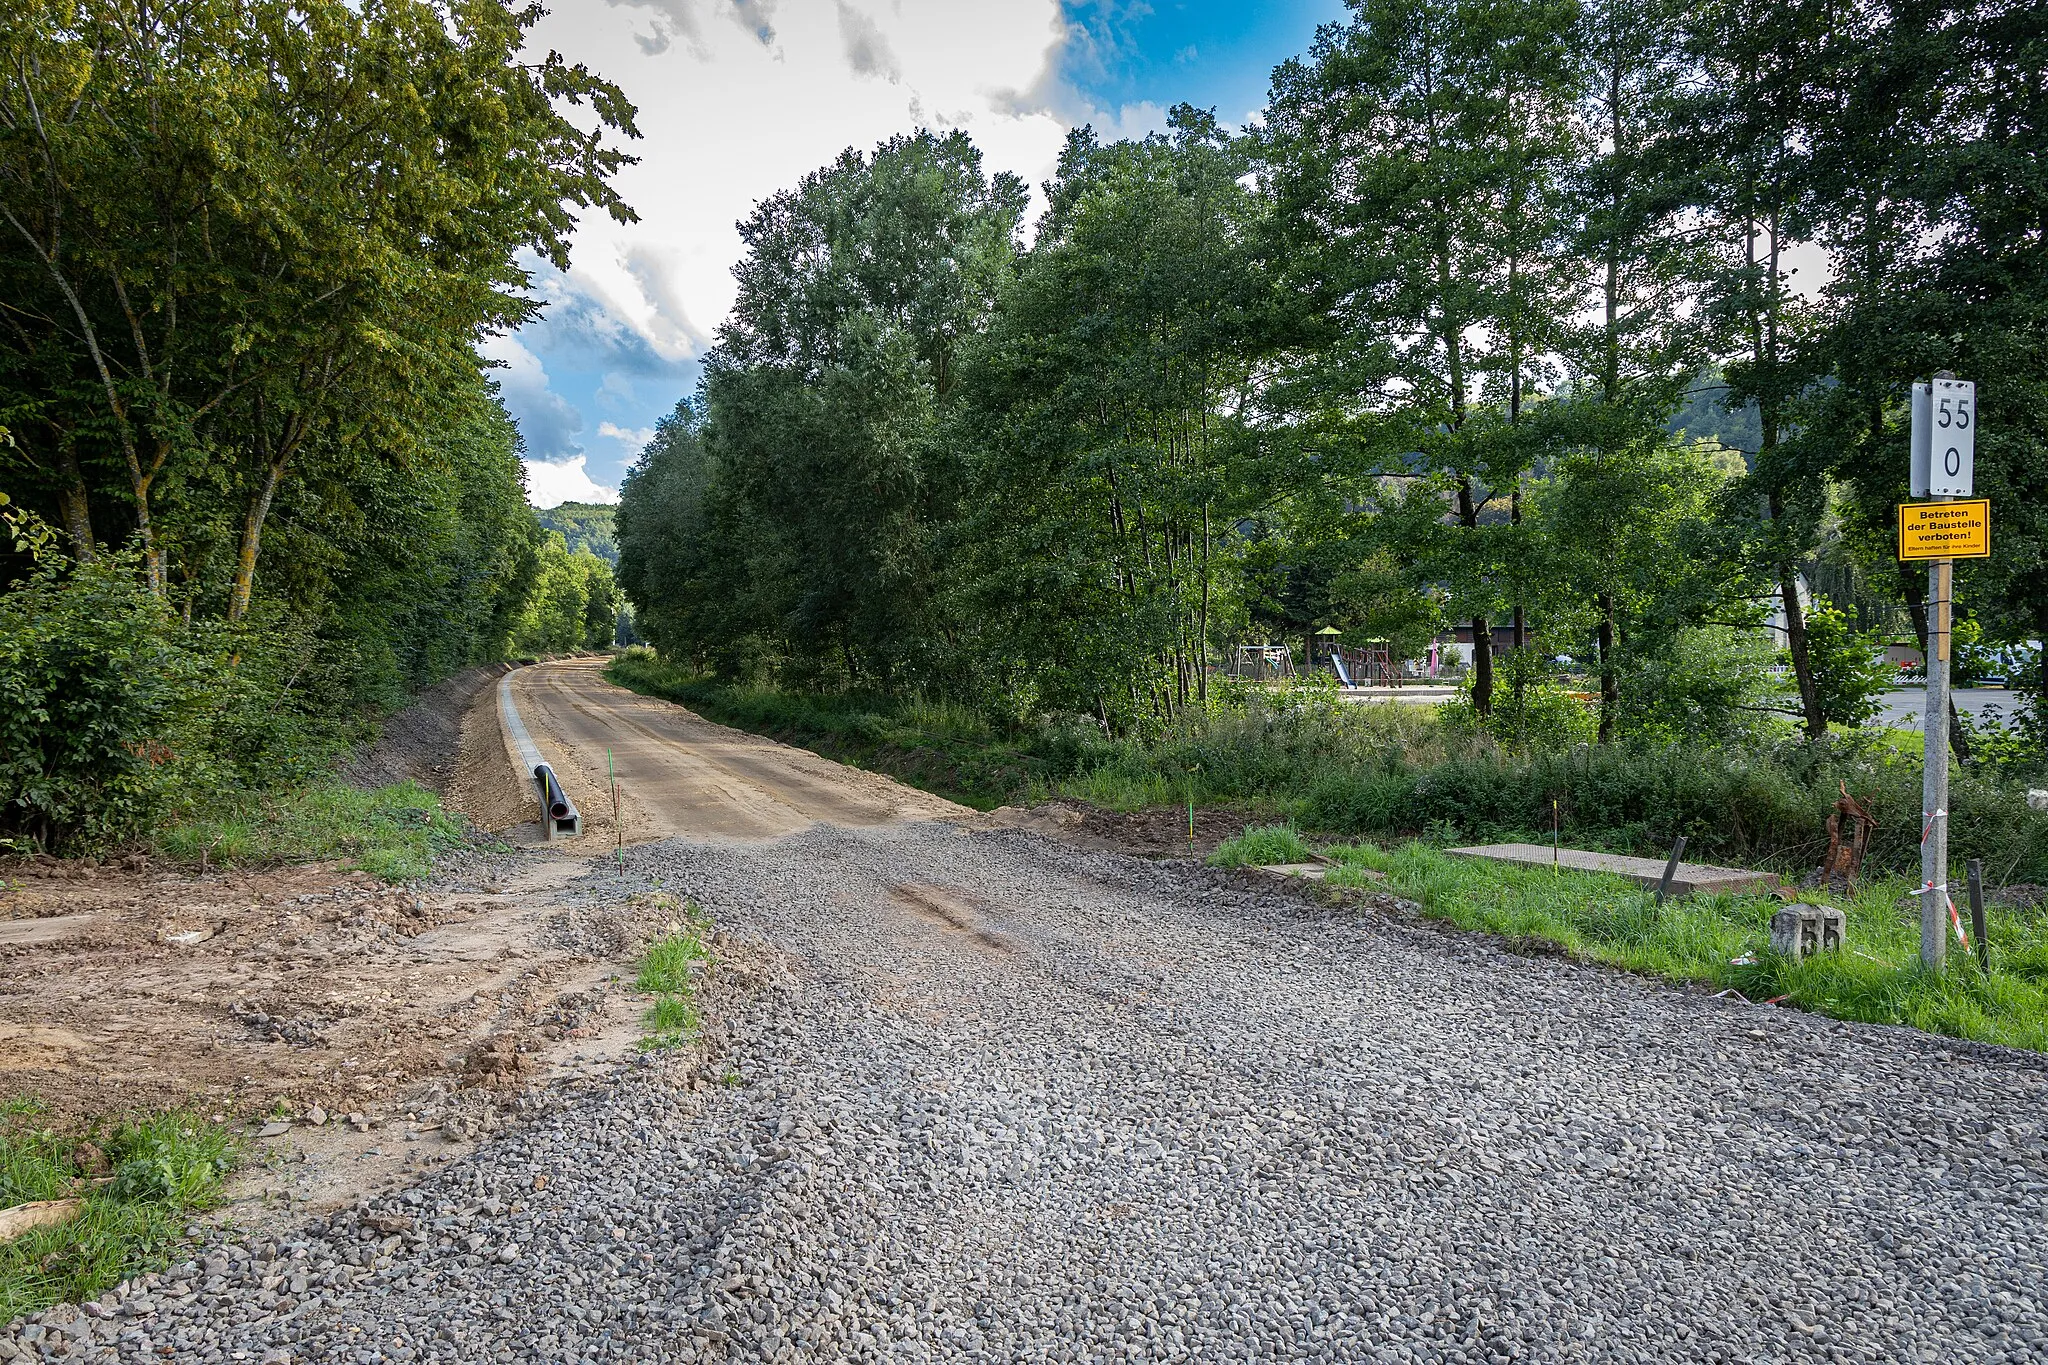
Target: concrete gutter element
column 1688, row 880
column 558, row 814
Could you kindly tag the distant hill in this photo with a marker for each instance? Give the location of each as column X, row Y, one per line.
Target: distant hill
column 586, row 526
column 1703, row 417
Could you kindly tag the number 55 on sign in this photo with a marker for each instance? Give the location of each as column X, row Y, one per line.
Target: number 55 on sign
column 1944, row 438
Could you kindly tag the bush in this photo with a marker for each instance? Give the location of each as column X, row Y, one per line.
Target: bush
column 1393, row 769
column 92, row 686
column 1850, row 671
column 1543, row 715
column 118, row 720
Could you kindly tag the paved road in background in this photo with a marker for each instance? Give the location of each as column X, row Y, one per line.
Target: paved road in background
column 1907, row 706
column 1904, row 707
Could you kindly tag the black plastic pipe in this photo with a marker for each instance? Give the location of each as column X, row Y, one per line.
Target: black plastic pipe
column 558, row 800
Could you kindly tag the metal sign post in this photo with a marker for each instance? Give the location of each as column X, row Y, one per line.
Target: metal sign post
column 1943, row 467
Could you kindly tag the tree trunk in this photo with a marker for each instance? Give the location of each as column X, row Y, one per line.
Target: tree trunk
column 1795, row 645
column 1482, row 634
column 1610, row 685
column 1482, row 666
column 1795, row 622
column 72, row 502
column 252, row 540
column 1519, row 635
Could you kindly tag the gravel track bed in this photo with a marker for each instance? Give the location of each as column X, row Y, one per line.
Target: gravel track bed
column 1001, row 1100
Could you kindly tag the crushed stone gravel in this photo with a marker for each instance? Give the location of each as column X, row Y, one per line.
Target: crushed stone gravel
column 990, row 1098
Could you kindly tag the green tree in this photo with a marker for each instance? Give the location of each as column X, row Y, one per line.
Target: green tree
column 823, row 399
column 1416, row 159
column 573, row 604
column 242, row 237
column 1850, row 671
column 1109, row 400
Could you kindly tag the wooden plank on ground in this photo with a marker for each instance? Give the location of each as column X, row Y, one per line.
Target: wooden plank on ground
column 1689, row 879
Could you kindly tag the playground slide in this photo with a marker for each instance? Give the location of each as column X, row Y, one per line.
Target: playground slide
column 1343, row 673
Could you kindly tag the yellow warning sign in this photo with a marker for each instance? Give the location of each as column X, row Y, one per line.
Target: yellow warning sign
column 1945, row 530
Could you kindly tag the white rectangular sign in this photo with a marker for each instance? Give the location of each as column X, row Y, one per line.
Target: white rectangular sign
column 1952, row 438
column 1923, row 435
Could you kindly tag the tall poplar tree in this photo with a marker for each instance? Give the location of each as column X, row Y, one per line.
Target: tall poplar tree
column 1413, row 158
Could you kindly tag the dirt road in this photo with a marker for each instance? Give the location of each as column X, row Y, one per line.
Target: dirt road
column 682, row 776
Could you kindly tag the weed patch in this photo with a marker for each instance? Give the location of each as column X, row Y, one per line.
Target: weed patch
column 1262, row 846
column 391, row 832
column 157, row 1172
column 1724, row 941
column 668, row 972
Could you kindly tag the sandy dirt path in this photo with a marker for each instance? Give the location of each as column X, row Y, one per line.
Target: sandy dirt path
column 683, row 776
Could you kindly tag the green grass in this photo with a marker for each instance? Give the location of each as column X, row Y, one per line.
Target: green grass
column 1262, row 846
column 666, row 966
column 1390, row 770
column 392, row 832
column 668, row 972
column 1724, row 941
column 164, row 1169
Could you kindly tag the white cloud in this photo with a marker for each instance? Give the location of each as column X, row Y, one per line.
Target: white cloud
column 550, row 482
column 546, row 420
column 634, row 439
column 739, row 99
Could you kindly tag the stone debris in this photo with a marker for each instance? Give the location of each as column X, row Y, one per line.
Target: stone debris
column 1193, row 1116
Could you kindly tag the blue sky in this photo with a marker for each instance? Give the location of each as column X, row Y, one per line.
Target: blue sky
column 738, row 98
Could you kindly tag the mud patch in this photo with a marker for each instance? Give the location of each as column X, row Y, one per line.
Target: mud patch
column 305, row 996
column 1155, row 832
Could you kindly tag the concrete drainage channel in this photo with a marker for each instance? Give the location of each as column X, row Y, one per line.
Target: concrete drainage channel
column 558, row 814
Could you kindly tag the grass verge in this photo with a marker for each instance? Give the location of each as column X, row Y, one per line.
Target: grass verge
column 1724, row 941
column 391, row 832
column 161, row 1170
column 668, row 972
column 1300, row 756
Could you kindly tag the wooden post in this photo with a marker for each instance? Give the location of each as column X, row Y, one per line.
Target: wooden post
column 1670, row 869
column 1977, row 914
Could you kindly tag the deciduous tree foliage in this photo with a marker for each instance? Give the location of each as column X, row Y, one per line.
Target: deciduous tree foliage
column 824, row 398
column 247, row 247
column 1109, row 405
column 1427, row 340
column 247, row 251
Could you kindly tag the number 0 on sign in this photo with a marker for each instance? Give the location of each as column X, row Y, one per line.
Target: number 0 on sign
column 1945, row 530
